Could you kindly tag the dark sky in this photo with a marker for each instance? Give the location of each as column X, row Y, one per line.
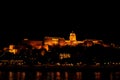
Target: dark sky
column 35, row 23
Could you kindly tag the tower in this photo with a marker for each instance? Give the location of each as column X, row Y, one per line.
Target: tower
column 72, row 36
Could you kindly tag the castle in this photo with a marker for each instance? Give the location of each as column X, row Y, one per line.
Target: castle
column 51, row 41
column 61, row 41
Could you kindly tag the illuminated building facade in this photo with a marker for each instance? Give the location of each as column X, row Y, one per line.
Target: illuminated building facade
column 72, row 37
column 61, row 41
column 12, row 49
column 51, row 41
column 36, row 44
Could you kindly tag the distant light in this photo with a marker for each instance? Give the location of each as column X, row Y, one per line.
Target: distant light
column 25, row 39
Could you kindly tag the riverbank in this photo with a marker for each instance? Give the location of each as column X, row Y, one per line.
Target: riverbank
column 60, row 68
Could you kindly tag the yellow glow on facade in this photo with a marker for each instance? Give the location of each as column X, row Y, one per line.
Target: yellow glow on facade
column 64, row 55
column 72, row 37
column 61, row 41
column 36, row 44
column 52, row 41
column 11, row 46
column 46, row 47
column 12, row 49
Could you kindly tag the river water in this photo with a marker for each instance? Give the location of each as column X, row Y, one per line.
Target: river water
column 60, row 75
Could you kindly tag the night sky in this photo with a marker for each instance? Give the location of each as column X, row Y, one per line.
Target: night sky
column 35, row 23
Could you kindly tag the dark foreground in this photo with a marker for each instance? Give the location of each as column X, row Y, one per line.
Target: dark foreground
column 52, row 72
column 59, row 75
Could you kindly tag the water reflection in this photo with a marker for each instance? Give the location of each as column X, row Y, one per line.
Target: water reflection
column 63, row 75
column 38, row 75
column 97, row 76
column 78, row 75
column 66, row 75
column 11, row 76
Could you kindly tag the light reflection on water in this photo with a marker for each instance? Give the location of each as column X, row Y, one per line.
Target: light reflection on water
column 63, row 75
